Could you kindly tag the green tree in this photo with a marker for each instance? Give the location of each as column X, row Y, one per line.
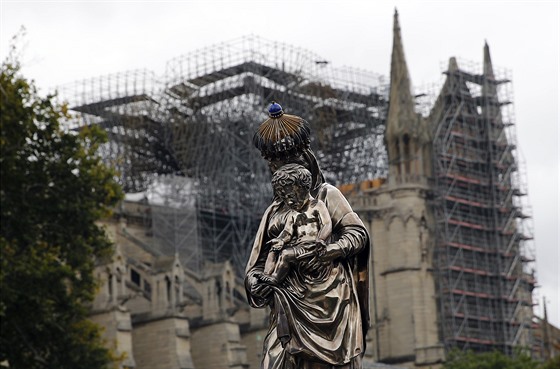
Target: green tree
column 54, row 188
column 488, row 360
column 553, row 363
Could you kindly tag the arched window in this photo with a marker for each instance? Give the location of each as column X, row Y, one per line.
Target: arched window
column 397, row 157
column 110, row 286
column 228, row 290
column 168, row 288
column 406, row 153
column 135, row 277
column 177, row 289
column 219, row 289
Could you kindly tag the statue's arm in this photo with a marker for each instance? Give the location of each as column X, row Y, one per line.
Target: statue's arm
column 353, row 239
column 258, row 293
column 349, row 234
column 286, row 235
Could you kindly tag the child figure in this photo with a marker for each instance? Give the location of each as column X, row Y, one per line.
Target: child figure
column 307, row 228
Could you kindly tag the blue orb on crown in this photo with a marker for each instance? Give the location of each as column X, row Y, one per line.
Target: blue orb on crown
column 275, row 110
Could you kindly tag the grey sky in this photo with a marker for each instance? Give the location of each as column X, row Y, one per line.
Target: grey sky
column 73, row 40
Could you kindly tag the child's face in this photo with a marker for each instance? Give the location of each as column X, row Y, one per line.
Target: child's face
column 294, row 195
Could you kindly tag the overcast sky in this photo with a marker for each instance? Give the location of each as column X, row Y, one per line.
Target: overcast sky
column 72, row 40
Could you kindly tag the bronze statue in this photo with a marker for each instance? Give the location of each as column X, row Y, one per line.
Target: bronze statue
column 319, row 308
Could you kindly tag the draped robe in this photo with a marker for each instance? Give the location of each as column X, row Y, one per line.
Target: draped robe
column 319, row 316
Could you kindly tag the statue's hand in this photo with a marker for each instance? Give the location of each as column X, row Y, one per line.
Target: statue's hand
column 325, row 256
column 276, row 244
column 259, row 288
column 321, row 247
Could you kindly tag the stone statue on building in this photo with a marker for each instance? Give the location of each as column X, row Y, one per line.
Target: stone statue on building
column 319, row 310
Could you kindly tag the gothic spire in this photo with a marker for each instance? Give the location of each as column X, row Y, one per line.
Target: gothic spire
column 490, row 103
column 489, row 90
column 402, row 117
column 452, row 66
column 488, row 69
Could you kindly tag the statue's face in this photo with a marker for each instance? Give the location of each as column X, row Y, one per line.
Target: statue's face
column 294, row 196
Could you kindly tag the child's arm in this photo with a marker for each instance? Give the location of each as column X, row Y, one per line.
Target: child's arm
column 284, row 237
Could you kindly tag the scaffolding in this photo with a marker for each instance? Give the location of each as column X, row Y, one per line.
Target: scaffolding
column 235, row 81
column 125, row 106
column 198, row 120
column 483, row 250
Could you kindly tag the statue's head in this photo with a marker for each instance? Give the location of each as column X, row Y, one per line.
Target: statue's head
column 285, row 139
column 292, row 183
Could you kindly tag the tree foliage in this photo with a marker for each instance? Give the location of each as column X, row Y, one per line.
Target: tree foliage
column 553, row 363
column 54, row 188
column 489, row 360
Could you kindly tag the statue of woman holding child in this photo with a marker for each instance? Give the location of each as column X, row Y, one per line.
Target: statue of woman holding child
column 309, row 260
